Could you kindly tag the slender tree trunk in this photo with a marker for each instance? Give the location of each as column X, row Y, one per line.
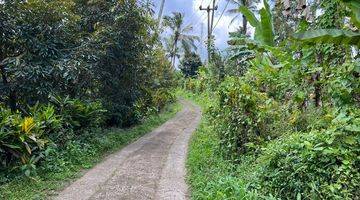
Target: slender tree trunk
column 244, row 25
column 174, row 60
column 244, row 21
column 221, row 72
column 161, row 12
column 174, row 51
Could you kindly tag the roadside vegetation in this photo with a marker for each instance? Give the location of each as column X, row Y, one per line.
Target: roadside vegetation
column 80, row 79
column 61, row 167
column 74, row 76
column 281, row 110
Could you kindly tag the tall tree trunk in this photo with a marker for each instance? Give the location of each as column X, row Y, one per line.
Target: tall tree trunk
column 244, row 22
column 161, row 12
column 174, row 52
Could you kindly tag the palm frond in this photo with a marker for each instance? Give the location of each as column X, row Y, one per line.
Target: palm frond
column 187, row 28
column 233, row 11
column 236, row 2
column 233, row 19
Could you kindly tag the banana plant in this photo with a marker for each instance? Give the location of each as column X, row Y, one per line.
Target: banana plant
column 264, row 29
column 335, row 36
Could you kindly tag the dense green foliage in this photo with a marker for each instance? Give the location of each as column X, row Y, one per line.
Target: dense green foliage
column 209, row 174
column 287, row 124
column 336, row 36
column 318, row 164
column 70, row 67
column 190, row 64
column 65, row 164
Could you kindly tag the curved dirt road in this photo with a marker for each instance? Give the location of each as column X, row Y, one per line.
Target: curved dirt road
column 151, row 168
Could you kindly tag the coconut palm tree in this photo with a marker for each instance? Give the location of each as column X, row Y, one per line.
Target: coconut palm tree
column 170, row 51
column 179, row 34
column 249, row 4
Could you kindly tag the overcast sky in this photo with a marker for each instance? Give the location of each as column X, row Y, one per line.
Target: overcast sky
column 196, row 17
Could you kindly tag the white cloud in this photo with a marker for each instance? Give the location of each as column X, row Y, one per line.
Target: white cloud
column 223, row 26
column 222, row 29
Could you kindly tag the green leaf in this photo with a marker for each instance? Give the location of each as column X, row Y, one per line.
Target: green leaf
column 353, row 128
column 318, row 148
column 334, row 36
column 346, row 162
column 267, row 6
column 350, row 140
column 298, row 196
column 11, row 146
column 249, row 16
column 27, row 172
column 267, row 30
column 27, row 147
column 264, row 30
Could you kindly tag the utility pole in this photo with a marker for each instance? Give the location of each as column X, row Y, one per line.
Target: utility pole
column 210, row 11
column 212, row 17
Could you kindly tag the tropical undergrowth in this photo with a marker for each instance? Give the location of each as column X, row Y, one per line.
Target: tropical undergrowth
column 288, row 125
column 210, row 176
column 62, row 165
column 251, row 146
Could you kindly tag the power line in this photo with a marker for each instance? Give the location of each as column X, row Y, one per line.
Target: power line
column 222, row 13
column 201, row 19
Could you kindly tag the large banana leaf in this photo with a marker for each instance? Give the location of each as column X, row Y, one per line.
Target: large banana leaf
column 249, row 16
column 267, row 29
column 264, row 31
column 333, row 36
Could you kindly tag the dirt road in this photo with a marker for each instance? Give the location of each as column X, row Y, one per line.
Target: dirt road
column 151, row 168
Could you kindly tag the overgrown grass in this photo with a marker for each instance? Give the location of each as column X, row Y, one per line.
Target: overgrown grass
column 209, row 175
column 317, row 164
column 62, row 168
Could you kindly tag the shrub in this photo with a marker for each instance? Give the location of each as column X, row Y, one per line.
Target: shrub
column 245, row 116
column 161, row 98
column 152, row 103
column 320, row 164
column 80, row 114
column 24, row 138
column 206, row 80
